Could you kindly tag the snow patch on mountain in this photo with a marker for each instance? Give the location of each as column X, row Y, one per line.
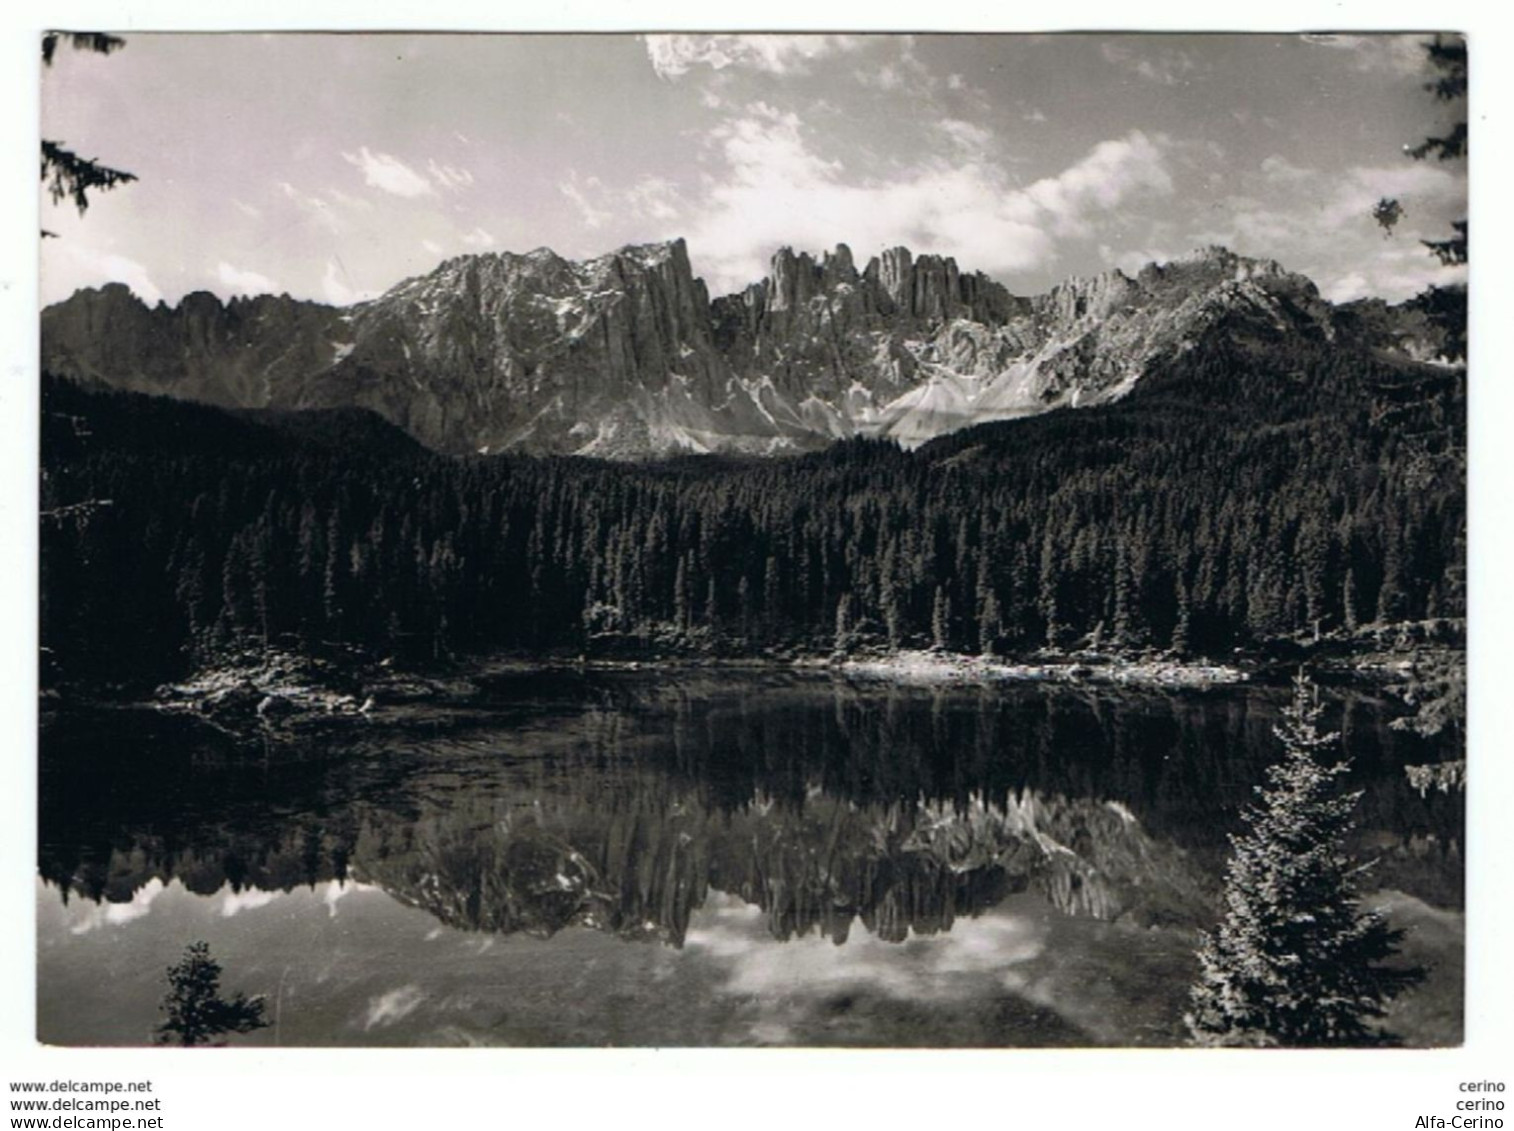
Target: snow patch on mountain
column 626, row 356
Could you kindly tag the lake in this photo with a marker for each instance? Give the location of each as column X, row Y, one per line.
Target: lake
column 698, row 858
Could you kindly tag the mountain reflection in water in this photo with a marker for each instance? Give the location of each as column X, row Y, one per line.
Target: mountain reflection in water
column 695, row 812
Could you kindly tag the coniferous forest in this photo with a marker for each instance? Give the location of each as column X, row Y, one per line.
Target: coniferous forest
column 741, row 629
column 1241, row 497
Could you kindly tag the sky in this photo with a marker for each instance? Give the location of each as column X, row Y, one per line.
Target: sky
column 331, row 167
column 178, row 241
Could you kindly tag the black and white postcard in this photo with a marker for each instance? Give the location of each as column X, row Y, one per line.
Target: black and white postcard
column 711, row 540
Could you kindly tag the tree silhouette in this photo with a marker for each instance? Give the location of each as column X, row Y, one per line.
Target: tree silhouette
column 67, row 175
column 1387, row 212
column 1296, row 962
column 1448, row 55
column 1445, row 306
column 196, row 1012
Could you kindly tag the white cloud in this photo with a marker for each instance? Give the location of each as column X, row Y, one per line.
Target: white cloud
column 594, row 216
column 235, row 902
column 97, row 915
column 237, row 281
column 655, row 198
column 647, row 206
column 387, row 172
column 432, row 246
column 133, row 274
column 1432, row 192
column 886, row 77
column 1346, row 288
column 347, row 200
column 673, row 56
column 479, row 238
column 82, row 266
column 1401, row 270
column 314, row 208
column 906, row 73
column 248, row 210
column 1113, row 172
column 977, row 956
column 1330, row 235
column 776, row 190
column 338, row 288
column 336, row 890
column 394, row 1006
column 1395, row 54
column 1279, row 170
column 449, row 177
column 1166, row 66
column 1132, row 260
column 971, row 139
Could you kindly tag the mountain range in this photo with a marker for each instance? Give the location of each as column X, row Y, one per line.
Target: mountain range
column 626, row 356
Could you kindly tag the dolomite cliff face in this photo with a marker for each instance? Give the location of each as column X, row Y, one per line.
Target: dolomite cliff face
column 531, row 352
column 836, row 347
column 235, row 355
column 626, row 356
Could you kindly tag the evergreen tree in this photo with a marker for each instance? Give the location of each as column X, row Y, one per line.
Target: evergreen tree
column 843, row 640
column 197, row 1014
column 1046, row 600
column 1296, row 961
column 940, row 620
column 990, row 622
column 67, row 175
column 1390, row 594
column 888, row 595
column 683, row 617
column 711, row 604
column 1446, row 306
column 331, row 579
column 1124, row 622
column 1271, row 519
column 744, row 598
column 771, row 605
column 1183, row 626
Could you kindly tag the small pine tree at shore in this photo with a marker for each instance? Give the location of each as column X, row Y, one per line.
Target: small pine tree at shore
column 1296, row 962
column 196, row 1013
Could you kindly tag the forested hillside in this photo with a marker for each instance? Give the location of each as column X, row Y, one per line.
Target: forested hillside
column 1252, row 488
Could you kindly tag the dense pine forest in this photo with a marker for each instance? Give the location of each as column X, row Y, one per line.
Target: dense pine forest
column 1248, row 493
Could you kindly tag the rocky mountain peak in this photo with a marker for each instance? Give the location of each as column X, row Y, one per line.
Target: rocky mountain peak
column 837, row 267
column 1093, row 297
column 625, row 354
column 1213, row 265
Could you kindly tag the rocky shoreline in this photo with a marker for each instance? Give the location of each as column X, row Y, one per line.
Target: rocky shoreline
column 274, row 686
column 951, row 668
column 255, row 688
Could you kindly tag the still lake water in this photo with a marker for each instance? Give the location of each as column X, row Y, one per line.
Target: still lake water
column 670, row 858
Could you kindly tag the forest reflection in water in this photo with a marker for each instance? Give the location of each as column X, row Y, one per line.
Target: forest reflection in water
column 918, row 837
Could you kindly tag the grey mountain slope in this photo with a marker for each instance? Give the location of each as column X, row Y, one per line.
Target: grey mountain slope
column 625, row 355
